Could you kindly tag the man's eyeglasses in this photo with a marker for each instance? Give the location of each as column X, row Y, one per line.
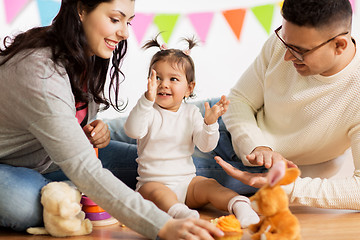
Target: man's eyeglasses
column 300, row 54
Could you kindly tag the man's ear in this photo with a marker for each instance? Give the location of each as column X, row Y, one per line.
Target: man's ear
column 341, row 44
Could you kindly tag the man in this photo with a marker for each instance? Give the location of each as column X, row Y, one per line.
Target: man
column 299, row 101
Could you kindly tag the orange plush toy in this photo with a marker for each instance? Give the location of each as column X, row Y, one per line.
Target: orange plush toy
column 272, row 203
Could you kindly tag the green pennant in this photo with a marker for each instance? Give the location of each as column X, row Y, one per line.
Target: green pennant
column 264, row 14
column 166, row 24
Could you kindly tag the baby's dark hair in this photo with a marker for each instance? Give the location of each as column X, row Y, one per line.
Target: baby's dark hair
column 318, row 13
column 180, row 58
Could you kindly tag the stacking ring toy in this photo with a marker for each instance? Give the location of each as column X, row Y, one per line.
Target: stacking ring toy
column 87, row 201
column 92, row 209
column 97, row 216
column 105, row 222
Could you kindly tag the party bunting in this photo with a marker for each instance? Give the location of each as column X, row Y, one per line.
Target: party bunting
column 201, row 23
column 264, row 14
column 166, row 24
column 352, row 4
column 281, row 4
column 140, row 24
column 13, row 8
column 48, row 10
column 235, row 18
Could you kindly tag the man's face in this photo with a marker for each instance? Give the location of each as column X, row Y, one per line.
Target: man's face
column 322, row 60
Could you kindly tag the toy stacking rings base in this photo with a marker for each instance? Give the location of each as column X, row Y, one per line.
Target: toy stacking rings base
column 97, row 215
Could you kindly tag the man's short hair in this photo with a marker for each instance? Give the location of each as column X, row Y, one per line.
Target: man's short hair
column 318, row 13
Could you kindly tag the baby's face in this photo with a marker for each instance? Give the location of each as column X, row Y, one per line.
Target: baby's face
column 172, row 85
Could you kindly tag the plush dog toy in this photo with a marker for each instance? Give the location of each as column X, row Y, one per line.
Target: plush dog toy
column 272, row 203
column 62, row 212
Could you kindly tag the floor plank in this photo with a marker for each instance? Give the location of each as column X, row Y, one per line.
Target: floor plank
column 319, row 224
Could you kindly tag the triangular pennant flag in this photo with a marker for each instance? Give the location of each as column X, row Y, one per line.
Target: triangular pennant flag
column 264, row 14
column 13, row 8
column 235, row 18
column 140, row 24
column 48, row 10
column 352, row 4
column 201, row 23
column 166, row 24
column 281, row 3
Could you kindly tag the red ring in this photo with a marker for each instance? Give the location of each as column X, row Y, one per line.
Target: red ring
column 87, row 201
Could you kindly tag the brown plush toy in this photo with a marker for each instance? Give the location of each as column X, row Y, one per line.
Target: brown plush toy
column 272, row 203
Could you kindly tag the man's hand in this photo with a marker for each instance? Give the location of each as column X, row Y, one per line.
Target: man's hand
column 265, row 156
column 256, row 180
column 261, row 156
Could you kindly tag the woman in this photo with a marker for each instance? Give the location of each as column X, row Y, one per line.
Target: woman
column 53, row 78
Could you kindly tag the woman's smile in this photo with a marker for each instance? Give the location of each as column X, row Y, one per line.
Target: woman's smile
column 111, row 44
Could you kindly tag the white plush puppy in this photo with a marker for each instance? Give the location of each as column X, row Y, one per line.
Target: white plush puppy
column 62, row 212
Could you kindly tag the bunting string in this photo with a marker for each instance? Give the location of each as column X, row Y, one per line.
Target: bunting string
column 165, row 23
column 201, row 22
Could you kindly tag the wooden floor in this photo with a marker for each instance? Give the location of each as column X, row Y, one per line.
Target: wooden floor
column 319, row 224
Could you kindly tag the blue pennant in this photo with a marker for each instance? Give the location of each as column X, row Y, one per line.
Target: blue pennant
column 48, row 10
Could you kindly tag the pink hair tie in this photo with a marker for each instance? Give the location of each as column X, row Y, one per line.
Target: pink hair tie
column 187, row 52
column 163, row 47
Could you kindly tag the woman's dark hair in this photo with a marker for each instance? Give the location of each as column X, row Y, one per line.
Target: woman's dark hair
column 180, row 58
column 66, row 39
column 318, row 13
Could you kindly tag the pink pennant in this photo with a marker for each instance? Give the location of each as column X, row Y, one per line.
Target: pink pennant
column 352, row 4
column 13, row 8
column 140, row 24
column 201, row 23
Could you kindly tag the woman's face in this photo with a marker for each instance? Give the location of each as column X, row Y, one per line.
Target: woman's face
column 107, row 25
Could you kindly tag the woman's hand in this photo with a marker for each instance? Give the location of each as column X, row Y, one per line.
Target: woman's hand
column 98, row 133
column 189, row 228
column 212, row 114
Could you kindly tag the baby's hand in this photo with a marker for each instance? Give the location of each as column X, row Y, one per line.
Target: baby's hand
column 150, row 94
column 212, row 114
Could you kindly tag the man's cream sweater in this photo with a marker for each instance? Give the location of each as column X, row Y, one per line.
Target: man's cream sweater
column 309, row 120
